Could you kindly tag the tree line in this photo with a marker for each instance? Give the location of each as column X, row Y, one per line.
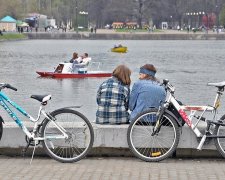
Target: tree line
column 102, row 12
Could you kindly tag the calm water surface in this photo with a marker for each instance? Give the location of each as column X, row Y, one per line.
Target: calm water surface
column 189, row 65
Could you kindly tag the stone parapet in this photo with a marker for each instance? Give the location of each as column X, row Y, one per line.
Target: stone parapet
column 110, row 140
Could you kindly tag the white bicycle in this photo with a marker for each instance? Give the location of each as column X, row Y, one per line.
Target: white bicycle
column 66, row 135
column 154, row 134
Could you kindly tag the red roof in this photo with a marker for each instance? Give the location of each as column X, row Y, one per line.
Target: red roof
column 117, row 23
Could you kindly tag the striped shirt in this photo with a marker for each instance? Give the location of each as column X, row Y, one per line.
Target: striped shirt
column 112, row 100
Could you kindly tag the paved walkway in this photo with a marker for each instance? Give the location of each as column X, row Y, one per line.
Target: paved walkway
column 169, row 31
column 109, row 168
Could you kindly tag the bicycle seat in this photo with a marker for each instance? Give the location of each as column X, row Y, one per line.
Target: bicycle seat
column 219, row 84
column 41, row 98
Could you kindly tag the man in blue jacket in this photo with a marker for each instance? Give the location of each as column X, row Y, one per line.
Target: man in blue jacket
column 146, row 92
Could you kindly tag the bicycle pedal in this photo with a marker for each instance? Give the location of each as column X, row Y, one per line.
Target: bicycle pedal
column 23, row 153
column 24, row 150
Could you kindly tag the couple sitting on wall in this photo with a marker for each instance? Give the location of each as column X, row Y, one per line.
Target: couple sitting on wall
column 114, row 98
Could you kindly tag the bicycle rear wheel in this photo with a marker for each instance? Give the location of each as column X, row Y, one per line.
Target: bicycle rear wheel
column 80, row 136
column 148, row 146
column 220, row 142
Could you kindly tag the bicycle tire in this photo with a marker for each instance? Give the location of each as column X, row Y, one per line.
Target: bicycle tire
column 149, row 149
column 79, row 129
column 220, row 142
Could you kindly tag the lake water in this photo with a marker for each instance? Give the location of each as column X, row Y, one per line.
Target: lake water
column 189, row 65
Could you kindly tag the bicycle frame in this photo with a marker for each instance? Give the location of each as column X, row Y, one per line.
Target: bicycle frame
column 193, row 109
column 3, row 102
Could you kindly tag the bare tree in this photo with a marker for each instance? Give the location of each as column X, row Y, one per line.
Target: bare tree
column 118, row 10
column 8, row 8
column 101, row 12
column 96, row 11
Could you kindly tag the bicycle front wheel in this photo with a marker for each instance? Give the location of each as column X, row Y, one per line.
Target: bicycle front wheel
column 148, row 144
column 78, row 129
column 220, row 142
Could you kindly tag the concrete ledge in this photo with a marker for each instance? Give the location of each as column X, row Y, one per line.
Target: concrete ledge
column 110, row 140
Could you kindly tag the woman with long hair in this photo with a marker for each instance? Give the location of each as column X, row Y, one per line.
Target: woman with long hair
column 113, row 97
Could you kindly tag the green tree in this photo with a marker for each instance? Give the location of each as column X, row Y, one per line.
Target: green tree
column 222, row 16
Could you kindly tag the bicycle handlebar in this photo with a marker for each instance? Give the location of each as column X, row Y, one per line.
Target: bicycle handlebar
column 168, row 86
column 11, row 87
column 4, row 85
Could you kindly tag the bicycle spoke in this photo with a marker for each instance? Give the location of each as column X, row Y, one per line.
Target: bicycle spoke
column 149, row 145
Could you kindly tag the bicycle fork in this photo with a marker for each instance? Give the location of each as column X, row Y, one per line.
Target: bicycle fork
column 159, row 115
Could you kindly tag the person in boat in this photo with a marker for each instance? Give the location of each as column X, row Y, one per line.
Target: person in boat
column 81, row 62
column 146, row 92
column 118, row 46
column 113, row 96
column 84, row 60
column 82, row 57
column 74, row 58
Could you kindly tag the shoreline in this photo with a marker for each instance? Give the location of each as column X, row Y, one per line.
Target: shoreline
column 12, row 37
column 19, row 39
column 127, row 36
column 104, row 34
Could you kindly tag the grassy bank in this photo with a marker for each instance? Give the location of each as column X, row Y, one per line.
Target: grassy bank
column 12, row 36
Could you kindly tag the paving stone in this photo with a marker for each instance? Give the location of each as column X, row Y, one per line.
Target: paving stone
column 111, row 168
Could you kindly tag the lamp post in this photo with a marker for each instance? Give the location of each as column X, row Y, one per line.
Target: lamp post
column 207, row 16
column 188, row 19
column 76, row 24
column 85, row 22
column 171, row 17
column 194, row 20
column 217, row 18
column 199, row 19
column 207, row 22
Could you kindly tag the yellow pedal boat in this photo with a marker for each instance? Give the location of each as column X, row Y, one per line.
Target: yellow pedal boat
column 122, row 49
